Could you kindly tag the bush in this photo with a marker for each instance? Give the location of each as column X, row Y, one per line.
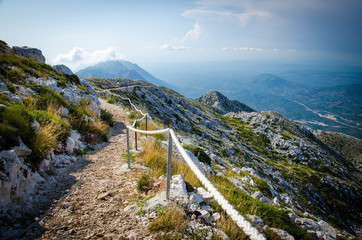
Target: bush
column 15, row 122
column 107, row 117
column 199, row 153
column 172, row 219
column 143, row 181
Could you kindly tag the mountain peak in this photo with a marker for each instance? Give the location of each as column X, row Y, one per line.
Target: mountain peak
column 119, row 69
column 221, row 104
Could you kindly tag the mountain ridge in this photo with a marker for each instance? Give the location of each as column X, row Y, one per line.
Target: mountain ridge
column 120, row 69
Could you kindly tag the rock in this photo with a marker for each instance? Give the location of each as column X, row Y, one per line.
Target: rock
column 22, row 150
column 203, row 214
column 196, row 198
column 215, row 217
column 62, row 160
column 73, row 142
column 31, row 53
column 2, row 107
column 178, row 187
column 257, row 221
column 89, row 87
column 71, row 96
column 64, row 111
column 94, row 104
column 153, row 204
column 265, row 199
column 257, row 195
column 122, row 169
column 103, row 196
column 283, row 234
column 205, row 194
column 3, row 86
column 64, row 69
column 276, row 201
column 36, row 126
column 328, row 229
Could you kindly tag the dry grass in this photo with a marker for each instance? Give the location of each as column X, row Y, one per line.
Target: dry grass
column 155, row 157
column 227, row 225
column 172, row 218
column 44, row 140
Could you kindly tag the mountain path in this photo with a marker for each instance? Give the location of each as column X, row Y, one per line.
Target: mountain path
column 103, row 205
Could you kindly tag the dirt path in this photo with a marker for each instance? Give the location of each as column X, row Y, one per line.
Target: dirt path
column 101, row 206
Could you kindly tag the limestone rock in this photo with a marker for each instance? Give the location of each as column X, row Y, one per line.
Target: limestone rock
column 153, row 204
column 22, row 150
column 73, row 142
column 32, row 53
column 256, row 221
column 196, row 198
column 205, row 194
column 178, row 187
column 64, row 69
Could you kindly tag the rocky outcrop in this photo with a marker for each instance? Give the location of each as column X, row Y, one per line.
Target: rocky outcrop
column 64, row 69
column 32, row 53
column 221, row 104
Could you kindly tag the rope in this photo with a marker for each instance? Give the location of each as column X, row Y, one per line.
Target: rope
column 230, row 210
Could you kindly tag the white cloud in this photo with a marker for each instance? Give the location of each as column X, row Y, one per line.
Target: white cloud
column 249, row 49
column 180, row 44
column 79, row 57
column 244, row 16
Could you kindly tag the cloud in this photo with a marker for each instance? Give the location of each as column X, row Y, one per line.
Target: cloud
column 78, row 56
column 244, row 16
column 180, row 44
column 249, row 49
column 194, row 33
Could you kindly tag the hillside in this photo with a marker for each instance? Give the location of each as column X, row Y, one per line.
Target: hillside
column 47, row 119
column 290, row 166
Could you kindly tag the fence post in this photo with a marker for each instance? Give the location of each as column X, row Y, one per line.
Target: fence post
column 128, row 153
column 169, row 156
column 135, row 136
column 146, row 122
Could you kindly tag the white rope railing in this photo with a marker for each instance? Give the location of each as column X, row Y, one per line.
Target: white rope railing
column 230, row 210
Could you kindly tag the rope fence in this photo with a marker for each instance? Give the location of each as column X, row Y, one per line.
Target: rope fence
column 229, row 209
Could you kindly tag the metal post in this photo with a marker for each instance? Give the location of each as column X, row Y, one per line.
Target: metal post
column 135, row 136
column 169, row 156
column 128, row 153
column 146, row 122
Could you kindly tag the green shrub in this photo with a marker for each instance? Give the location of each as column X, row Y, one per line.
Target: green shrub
column 14, row 122
column 107, row 117
column 143, row 181
column 199, row 153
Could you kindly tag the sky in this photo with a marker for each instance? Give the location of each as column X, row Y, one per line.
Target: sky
column 80, row 33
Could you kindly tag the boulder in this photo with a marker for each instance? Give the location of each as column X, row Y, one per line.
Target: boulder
column 257, row 195
column 155, row 203
column 22, row 150
column 205, row 194
column 215, row 217
column 89, row 87
column 32, row 53
column 256, row 221
column 196, row 198
column 35, row 126
column 64, row 69
column 73, row 142
column 178, row 187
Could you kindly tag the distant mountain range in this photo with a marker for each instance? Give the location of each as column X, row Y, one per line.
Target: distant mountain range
column 337, row 108
column 120, row 69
